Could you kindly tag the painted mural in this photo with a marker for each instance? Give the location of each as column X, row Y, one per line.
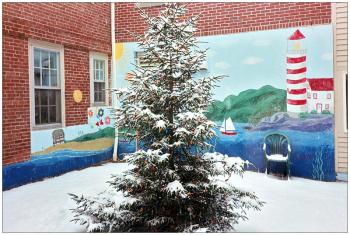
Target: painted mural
column 279, row 81
column 96, row 135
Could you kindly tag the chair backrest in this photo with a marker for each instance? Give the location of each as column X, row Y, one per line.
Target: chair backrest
column 276, row 143
column 58, row 136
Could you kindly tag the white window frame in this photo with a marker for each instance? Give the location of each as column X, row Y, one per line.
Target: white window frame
column 104, row 57
column 148, row 4
column 52, row 47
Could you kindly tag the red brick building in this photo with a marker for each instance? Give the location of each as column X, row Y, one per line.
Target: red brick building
column 74, row 34
column 71, row 32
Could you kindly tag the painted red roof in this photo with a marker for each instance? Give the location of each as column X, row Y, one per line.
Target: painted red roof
column 321, row 84
column 296, row 35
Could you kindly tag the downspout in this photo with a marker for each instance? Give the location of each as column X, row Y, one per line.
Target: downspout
column 114, row 79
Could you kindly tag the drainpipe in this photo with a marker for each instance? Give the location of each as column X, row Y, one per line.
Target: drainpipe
column 114, row 79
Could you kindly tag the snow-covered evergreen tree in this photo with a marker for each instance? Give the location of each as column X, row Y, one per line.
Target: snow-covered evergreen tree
column 175, row 183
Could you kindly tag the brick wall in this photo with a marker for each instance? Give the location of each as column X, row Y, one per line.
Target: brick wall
column 15, row 100
column 228, row 18
column 80, row 28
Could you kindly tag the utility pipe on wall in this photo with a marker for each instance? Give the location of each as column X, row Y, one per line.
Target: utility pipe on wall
column 114, row 79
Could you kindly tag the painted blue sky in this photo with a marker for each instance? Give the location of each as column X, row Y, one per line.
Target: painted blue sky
column 253, row 59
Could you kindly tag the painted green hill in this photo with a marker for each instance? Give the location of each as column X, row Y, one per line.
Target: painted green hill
column 103, row 133
column 249, row 106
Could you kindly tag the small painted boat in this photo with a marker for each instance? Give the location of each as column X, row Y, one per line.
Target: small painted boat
column 227, row 127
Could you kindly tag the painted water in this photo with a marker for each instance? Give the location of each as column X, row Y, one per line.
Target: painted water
column 312, row 154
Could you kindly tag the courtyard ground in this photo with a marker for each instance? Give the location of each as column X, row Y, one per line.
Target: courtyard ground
column 297, row 205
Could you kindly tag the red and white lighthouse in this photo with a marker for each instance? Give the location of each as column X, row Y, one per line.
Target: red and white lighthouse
column 296, row 74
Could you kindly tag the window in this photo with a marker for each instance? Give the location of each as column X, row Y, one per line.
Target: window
column 326, row 106
column 46, row 85
column 98, row 77
column 314, row 95
column 143, row 62
column 329, row 95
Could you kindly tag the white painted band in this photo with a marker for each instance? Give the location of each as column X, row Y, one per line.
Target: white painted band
column 296, row 86
column 296, row 76
column 296, row 97
column 296, row 108
column 296, row 65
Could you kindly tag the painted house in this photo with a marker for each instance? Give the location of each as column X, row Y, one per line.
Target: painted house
column 59, row 59
column 320, row 93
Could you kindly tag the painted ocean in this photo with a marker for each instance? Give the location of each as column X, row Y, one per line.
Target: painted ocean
column 312, row 154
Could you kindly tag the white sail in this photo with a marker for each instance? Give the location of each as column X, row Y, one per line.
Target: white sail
column 227, row 125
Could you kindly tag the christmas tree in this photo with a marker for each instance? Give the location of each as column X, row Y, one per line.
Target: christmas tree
column 175, row 184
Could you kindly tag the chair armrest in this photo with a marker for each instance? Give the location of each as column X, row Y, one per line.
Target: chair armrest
column 264, row 147
column 289, row 149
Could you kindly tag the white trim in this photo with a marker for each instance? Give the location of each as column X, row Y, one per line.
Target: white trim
column 297, row 76
column 296, row 108
column 53, row 47
column 296, row 65
column 296, row 86
column 296, row 97
column 295, row 55
column 148, row 4
column 104, row 57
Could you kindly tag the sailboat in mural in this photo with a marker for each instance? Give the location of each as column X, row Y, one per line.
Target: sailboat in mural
column 227, row 127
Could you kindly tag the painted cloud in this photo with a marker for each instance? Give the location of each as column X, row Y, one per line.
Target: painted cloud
column 252, row 60
column 222, row 65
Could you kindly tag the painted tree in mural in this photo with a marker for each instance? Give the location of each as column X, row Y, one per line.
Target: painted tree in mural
column 174, row 184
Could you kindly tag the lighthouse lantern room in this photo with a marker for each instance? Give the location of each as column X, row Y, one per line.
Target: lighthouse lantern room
column 296, row 74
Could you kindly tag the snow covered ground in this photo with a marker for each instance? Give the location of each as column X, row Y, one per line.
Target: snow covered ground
column 298, row 205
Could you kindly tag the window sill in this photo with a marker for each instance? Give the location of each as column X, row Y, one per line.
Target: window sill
column 47, row 127
column 99, row 104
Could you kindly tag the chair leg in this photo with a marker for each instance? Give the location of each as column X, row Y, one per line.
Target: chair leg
column 267, row 167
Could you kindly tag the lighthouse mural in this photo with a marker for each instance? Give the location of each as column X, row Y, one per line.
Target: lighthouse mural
column 296, row 74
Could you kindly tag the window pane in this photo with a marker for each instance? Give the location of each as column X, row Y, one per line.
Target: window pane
column 96, row 75
column 45, row 78
column 37, row 76
column 37, row 98
column 101, row 75
column 36, row 57
column 96, row 96
column 58, row 106
column 53, row 77
column 44, row 97
column 96, row 65
column 45, row 59
column 52, row 97
column 37, row 115
column 44, row 114
column 99, row 93
column 53, row 60
column 52, row 111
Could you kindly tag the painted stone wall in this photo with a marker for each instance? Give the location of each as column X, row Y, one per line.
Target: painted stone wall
column 272, row 76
